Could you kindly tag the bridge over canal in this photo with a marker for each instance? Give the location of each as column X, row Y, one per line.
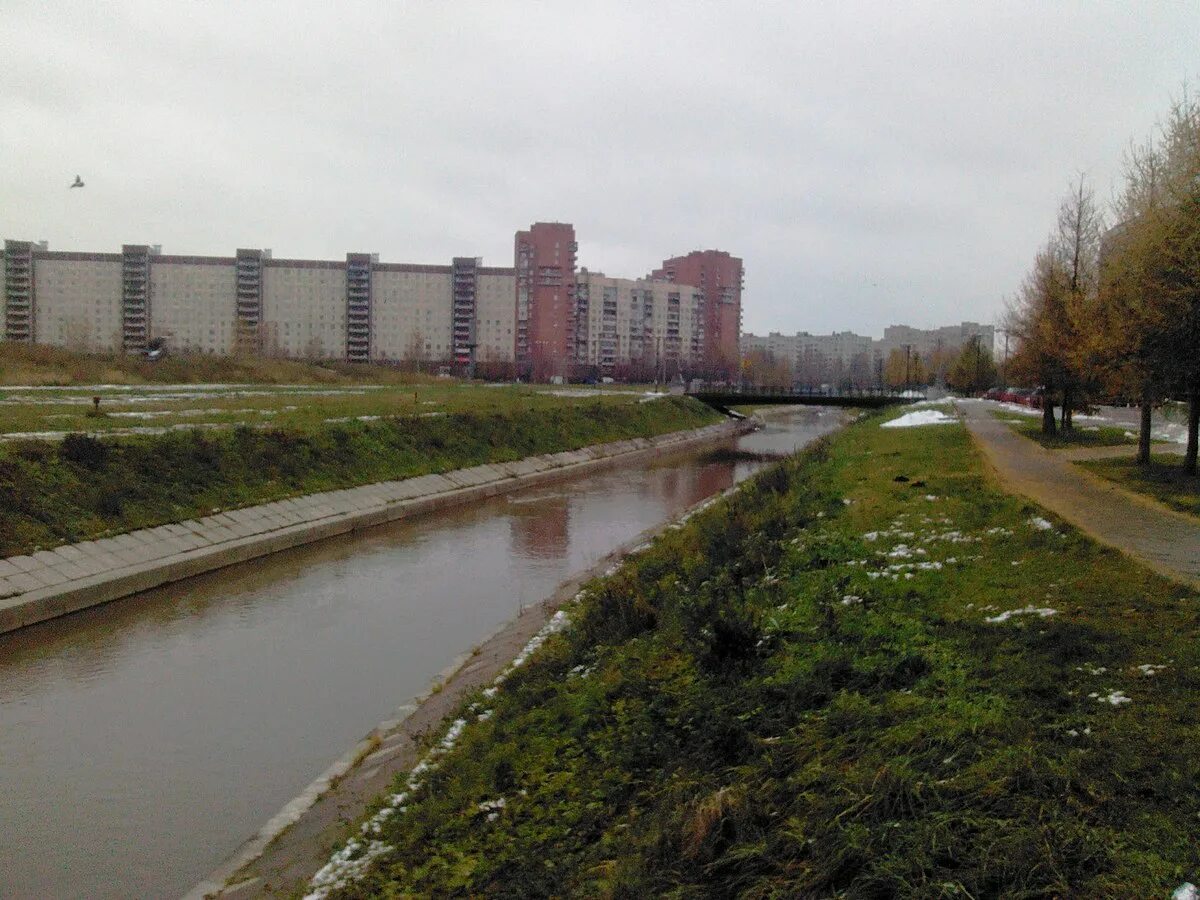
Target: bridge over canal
column 724, row 399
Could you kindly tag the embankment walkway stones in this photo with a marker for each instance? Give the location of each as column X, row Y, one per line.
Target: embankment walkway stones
column 51, row 583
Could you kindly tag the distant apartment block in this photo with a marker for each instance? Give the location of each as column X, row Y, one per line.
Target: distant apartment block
column 845, row 355
column 932, row 341
column 543, row 317
column 638, row 328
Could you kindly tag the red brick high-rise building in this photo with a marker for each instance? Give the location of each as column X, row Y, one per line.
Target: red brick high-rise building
column 544, row 257
column 719, row 276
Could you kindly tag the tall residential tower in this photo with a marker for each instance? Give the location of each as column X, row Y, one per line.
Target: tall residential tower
column 544, row 258
column 720, row 278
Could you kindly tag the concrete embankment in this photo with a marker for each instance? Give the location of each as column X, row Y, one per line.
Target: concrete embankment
column 56, row 582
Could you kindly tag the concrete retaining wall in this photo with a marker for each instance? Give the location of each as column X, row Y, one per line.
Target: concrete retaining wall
column 56, row 582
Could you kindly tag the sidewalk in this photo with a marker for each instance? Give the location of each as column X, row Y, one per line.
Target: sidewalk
column 1164, row 540
column 51, row 583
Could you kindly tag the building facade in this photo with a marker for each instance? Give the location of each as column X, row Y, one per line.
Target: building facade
column 932, row 342
column 639, row 328
column 356, row 309
column 846, row 357
column 544, row 258
column 720, row 277
column 543, row 317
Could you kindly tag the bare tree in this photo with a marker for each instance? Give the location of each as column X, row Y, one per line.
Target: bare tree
column 1077, row 244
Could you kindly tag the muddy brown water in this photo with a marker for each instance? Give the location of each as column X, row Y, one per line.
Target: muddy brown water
column 141, row 742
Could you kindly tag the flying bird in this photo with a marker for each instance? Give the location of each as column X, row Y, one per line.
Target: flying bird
column 78, row 183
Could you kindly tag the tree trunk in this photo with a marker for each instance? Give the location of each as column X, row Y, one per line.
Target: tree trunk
column 1193, row 430
column 1143, row 454
column 1048, row 426
column 1067, row 425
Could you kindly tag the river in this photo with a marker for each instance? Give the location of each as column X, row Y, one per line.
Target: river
column 142, row 741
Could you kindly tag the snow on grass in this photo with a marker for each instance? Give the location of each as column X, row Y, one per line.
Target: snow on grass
column 1040, row 524
column 1043, row 611
column 1150, row 669
column 921, row 417
column 1113, row 698
column 351, row 862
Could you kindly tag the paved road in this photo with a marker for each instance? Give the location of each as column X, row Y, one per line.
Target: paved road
column 1165, row 540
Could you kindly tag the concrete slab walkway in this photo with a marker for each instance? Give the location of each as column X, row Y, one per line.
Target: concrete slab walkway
column 1165, row 540
column 52, row 583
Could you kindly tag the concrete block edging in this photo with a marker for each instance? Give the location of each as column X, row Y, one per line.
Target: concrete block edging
column 228, row 538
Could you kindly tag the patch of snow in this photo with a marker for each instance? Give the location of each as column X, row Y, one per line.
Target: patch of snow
column 1043, row 611
column 921, row 417
column 1040, row 524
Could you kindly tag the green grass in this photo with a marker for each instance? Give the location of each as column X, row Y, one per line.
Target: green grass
column 84, row 487
column 1079, row 436
column 37, row 364
column 1164, row 480
column 719, row 721
column 292, row 406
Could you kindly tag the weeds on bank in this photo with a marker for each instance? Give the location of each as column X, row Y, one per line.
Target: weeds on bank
column 867, row 674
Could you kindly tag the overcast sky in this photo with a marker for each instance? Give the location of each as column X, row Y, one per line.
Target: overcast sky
column 871, row 163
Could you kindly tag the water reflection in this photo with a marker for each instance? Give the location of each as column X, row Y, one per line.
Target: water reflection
column 540, row 526
column 144, row 740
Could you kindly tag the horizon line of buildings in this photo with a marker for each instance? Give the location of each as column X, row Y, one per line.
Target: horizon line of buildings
column 543, row 317
column 844, row 355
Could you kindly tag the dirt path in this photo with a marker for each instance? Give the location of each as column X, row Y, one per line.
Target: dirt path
column 1165, row 540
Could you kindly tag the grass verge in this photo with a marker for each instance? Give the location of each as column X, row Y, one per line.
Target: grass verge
column 1079, row 436
column 39, row 364
column 84, row 487
column 869, row 673
column 1164, row 480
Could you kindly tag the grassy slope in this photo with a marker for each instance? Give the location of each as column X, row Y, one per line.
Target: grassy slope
column 1164, row 480
column 736, row 729
column 50, row 493
column 24, row 364
column 280, row 406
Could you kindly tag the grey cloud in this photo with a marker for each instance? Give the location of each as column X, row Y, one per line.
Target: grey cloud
column 870, row 164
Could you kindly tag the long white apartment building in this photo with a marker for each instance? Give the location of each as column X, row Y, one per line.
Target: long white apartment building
column 357, row 309
column 624, row 323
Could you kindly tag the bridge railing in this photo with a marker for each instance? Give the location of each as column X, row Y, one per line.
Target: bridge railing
column 801, row 391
